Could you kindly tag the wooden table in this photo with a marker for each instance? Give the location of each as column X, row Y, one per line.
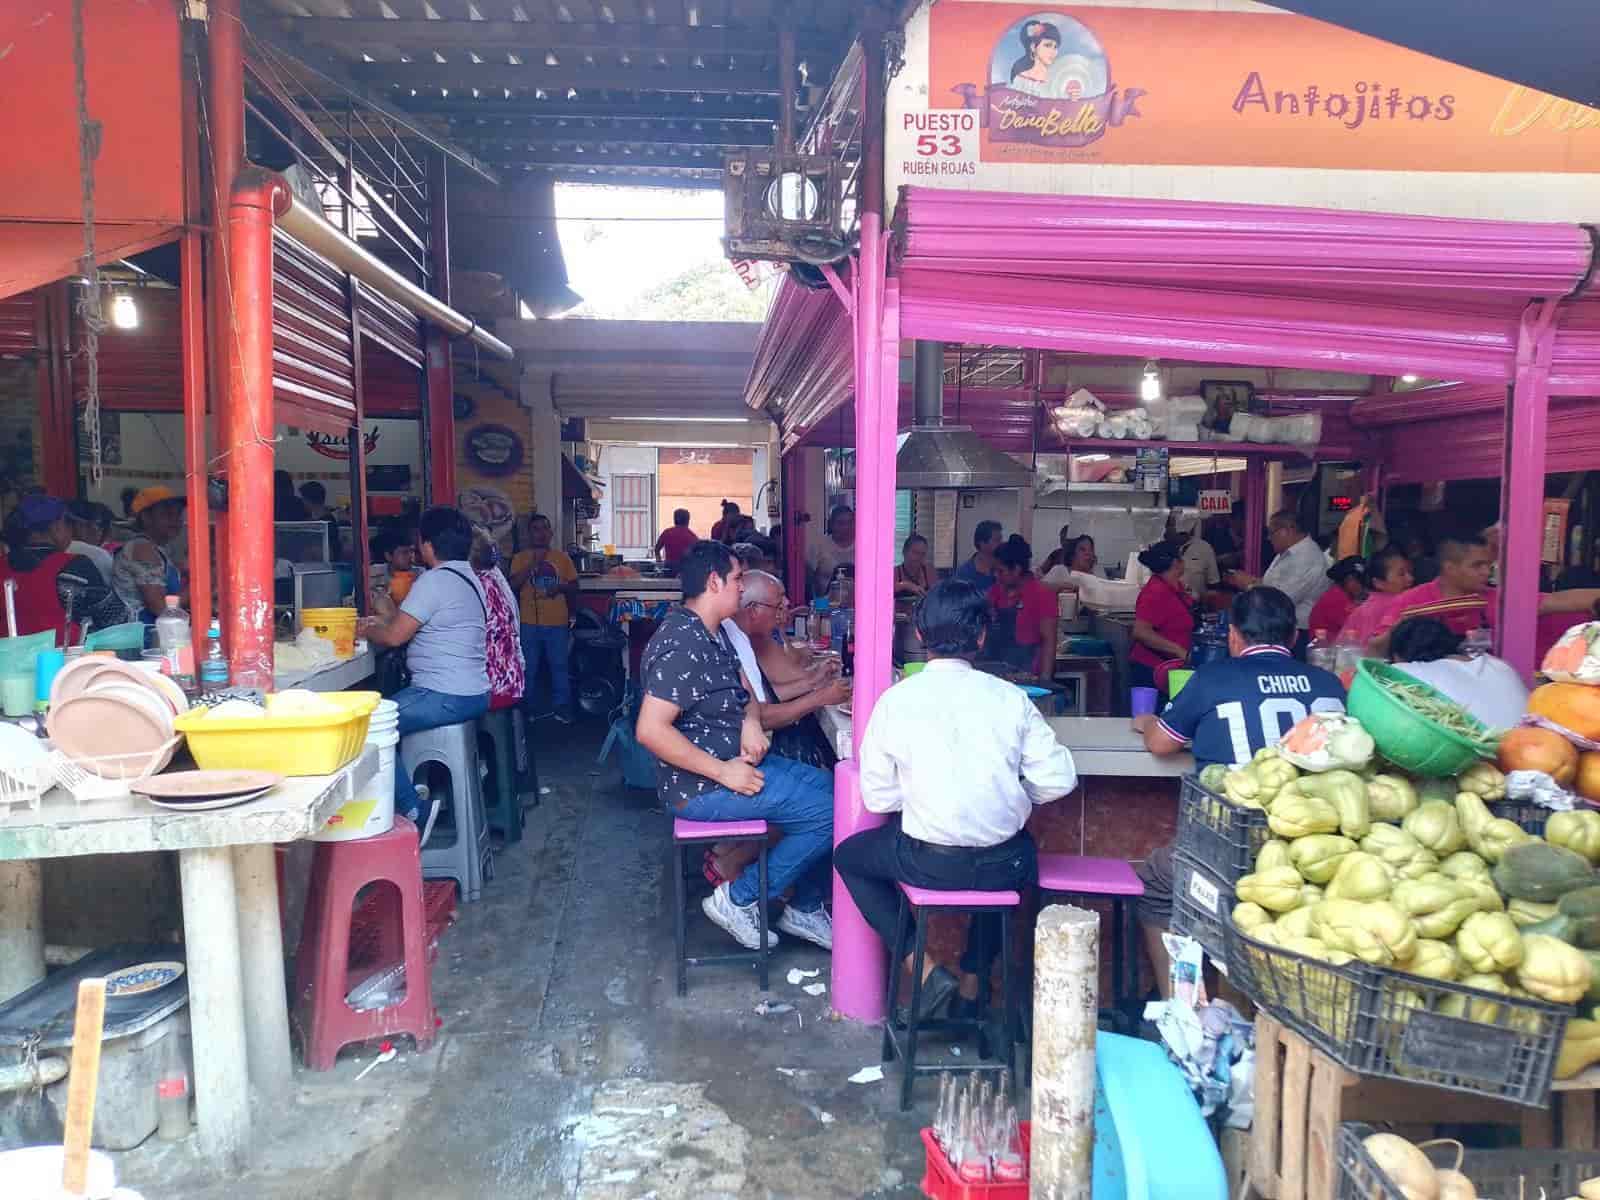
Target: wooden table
column 233, row 936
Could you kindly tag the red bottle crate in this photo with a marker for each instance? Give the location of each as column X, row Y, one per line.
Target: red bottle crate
column 940, row 1182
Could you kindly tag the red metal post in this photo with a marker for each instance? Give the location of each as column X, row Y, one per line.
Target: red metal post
column 248, row 428
column 440, row 386
column 192, row 328
column 52, row 309
column 1522, row 487
column 224, row 113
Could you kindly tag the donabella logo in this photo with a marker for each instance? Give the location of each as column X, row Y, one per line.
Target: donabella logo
column 1049, row 85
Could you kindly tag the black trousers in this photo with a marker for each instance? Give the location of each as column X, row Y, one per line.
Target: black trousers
column 873, row 863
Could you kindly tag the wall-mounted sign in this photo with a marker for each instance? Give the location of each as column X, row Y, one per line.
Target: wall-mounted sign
column 493, row 449
column 338, row 448
column 1150, row 469
column 1216, row 501
column 487, row 507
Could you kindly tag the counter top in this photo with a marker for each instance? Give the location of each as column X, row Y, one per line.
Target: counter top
column 611, row 583
column 339, row 676
column 1109, row 746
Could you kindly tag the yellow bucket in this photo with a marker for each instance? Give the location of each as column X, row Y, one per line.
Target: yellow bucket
column 283, row 745
column 337, row 625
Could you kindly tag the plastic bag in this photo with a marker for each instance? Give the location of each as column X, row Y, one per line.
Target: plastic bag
column 1328, row 742
column 1575, row 658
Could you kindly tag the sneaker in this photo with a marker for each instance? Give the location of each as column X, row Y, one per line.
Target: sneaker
column 815, row 927
column 742, row 922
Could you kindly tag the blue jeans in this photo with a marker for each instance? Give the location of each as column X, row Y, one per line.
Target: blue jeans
column 553, row 643
column 797, row 799
column 423, row 709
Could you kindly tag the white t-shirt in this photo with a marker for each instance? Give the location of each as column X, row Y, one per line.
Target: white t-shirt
column 1487, row 687
column 746, row 654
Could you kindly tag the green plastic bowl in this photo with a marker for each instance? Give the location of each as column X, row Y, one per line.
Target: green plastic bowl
column 1404, row 736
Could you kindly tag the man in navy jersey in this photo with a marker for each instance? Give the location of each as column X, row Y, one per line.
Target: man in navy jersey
column 1233, row 708
column 1227, row 712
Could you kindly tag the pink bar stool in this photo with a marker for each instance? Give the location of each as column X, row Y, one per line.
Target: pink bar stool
column 687, row 834
column 925, row 901
column 1073, row 875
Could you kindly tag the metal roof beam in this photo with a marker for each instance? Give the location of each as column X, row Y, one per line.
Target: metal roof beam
column 483, row 137
column 577, row 156
column 758, row 110
column 552, row 35
column 466, row 75
column 333, row 69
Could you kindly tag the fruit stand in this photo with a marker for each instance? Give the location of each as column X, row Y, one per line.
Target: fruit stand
column 1410, row 901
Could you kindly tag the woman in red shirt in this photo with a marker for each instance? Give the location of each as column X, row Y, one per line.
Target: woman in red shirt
column 1025, row 612
column 1163, row 617
column 1334, row 606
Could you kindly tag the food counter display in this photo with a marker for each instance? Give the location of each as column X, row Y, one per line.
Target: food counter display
column 341, row 675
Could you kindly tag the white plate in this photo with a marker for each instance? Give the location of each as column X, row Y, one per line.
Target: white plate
column 139, row 697
column 208, row 805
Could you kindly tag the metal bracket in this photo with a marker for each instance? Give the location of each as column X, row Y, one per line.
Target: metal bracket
column 839, row 288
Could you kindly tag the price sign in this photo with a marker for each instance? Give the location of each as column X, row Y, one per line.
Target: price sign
column 1216, row 502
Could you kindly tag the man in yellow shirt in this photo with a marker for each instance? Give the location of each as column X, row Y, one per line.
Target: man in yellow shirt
column 546, row 584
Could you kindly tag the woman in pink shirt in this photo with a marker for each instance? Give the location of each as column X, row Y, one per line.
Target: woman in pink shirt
column 1163, row 617
column 1025, row 612
column 1388, row 578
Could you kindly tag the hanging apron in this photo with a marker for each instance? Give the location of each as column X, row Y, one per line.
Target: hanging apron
column 1003, row 645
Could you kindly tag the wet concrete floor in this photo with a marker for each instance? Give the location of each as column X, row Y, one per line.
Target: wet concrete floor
column 568, row 1066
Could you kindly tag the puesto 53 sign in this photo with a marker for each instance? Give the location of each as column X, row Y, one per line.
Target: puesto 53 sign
column 992, row 85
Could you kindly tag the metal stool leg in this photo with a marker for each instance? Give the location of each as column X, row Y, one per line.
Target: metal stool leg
column 680, row 864
column 1008, row 1001
column 764, row 954
column 910, row 1077
column 1118, row 973
column 897, row 953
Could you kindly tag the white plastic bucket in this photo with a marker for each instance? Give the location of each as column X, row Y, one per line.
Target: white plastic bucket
column 372, row 812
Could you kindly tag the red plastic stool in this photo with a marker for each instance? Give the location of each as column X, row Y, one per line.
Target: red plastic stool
column 1108, row 878
column 395, row 934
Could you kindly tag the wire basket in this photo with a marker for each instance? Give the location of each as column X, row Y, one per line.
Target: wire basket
column 108, row 776
column 1200, row 904
column 23, row 785
column 1382, row 1022
column 1222, row 836
column 1507, row 1173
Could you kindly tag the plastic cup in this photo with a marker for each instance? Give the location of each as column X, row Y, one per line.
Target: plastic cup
column 45, row 668
column 16, row 693
column 1143, row 700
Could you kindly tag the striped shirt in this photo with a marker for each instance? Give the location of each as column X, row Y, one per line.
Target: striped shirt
column 1462, row 613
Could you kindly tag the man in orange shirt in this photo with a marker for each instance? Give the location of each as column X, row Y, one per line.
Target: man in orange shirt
column 546, row 584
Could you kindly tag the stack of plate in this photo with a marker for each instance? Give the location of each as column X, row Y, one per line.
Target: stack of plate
column 114, row 719
column 197, row 791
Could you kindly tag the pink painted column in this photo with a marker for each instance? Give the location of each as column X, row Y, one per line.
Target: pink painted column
column 794, row 535
column 1522, row 487
column 1255, row 514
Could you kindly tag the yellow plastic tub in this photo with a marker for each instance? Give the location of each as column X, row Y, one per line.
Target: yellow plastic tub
column 284, row 745
column 337, row 625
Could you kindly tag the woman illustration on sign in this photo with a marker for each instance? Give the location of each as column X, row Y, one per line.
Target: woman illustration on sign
column 1041, row 42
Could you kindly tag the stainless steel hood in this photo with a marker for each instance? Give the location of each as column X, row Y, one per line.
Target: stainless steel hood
column 932, row 454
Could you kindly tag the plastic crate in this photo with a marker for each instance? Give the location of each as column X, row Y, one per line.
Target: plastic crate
column 1508, row 1173
column 940, row 1182
column 1386, row 1023
column 1524, row 812
column 1201, row 903
column 1214, row 831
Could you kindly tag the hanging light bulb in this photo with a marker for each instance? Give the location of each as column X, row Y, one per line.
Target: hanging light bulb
column 124, row 312
column 1150, row 382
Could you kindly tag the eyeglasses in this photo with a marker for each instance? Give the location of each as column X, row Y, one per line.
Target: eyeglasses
column 766, row 604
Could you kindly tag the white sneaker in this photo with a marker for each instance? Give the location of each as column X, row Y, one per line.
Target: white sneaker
column 743, row 923
column 814, row 927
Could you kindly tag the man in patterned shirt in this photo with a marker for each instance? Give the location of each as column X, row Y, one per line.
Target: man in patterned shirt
column 705, row 730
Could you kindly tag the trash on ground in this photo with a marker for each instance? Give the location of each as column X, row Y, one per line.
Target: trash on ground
column 796, row 974
column 814, row 989
column 768, row 1008
column 870, row 1074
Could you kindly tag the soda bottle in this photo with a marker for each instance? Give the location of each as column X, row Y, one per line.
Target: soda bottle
column 176, row 642
column 214, row 666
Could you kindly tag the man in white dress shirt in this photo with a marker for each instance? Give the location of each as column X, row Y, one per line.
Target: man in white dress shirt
column 1299, row 571
column 962, row 757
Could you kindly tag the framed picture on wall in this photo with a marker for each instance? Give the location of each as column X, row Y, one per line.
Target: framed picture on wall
column 1223, row 398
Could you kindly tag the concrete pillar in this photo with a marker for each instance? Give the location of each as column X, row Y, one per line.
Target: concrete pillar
column 538, row 397
column 1066, row 995
column 21, row 926
column 266, row 1011
column 216, row 1006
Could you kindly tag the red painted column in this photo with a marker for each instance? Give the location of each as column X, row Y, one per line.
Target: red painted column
column 248, row 429
column 223, row 155
column 440, row 386
column 1522, row 487
column 192, row 332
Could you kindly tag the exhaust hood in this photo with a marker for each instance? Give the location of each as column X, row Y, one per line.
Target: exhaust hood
column 932, row 454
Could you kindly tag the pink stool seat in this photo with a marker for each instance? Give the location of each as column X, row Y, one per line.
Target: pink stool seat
column 1089, row 876
column 934, row 898
column 690, row 831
